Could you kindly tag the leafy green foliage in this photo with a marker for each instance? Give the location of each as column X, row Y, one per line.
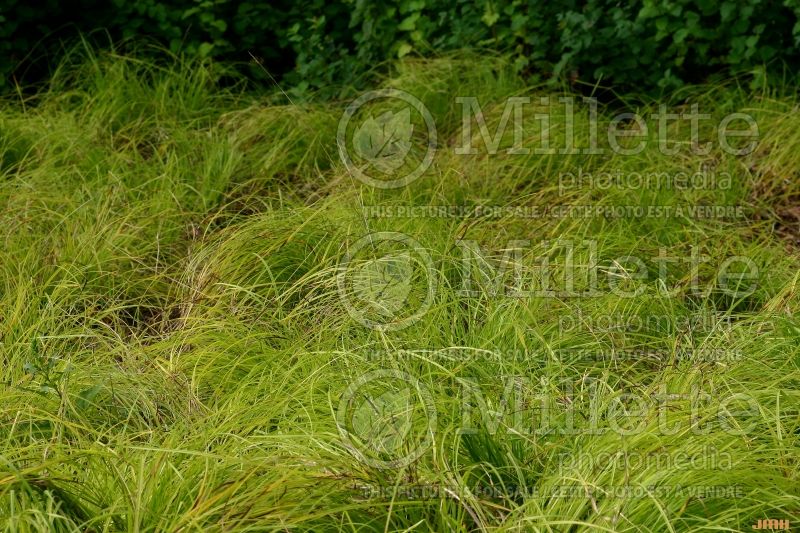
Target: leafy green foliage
column 312, row 44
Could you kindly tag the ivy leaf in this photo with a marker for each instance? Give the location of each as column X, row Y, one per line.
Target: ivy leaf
column 86, row 396
column 680, row 35
column 490, row 18
column 409, row 23
column 385, row 141
column 404, row 49
column 205, row 49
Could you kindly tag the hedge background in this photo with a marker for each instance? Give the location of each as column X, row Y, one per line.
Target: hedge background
column 641, row 45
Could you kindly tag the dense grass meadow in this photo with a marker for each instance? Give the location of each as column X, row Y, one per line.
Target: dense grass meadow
column 192, row 311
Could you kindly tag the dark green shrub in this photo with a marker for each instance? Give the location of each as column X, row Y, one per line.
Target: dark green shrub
column 644, row 45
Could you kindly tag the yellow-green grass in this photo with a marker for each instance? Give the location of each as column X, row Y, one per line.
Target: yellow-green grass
column 176, row 347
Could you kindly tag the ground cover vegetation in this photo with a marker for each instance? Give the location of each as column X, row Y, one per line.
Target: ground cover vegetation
column 180, row 338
